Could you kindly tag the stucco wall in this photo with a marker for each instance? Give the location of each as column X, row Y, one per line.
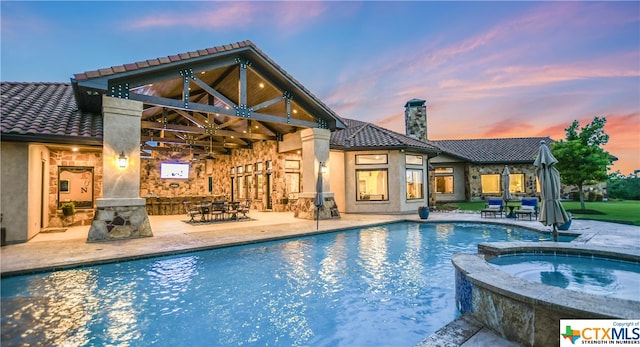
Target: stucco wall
column 14, row 184
column 337, row 178
column 397, row 202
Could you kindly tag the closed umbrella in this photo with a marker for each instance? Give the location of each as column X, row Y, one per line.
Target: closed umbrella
column 319, row 200
column 506, row 194
column 551, row 210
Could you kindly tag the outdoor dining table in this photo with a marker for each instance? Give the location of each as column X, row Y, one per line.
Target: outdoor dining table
column 205, row 208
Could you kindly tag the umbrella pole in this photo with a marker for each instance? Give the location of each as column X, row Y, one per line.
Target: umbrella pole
column 318, row 218
column 555, row 233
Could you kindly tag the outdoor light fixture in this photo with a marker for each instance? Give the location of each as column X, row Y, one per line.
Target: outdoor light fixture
column 122, row 160
column 323, row 168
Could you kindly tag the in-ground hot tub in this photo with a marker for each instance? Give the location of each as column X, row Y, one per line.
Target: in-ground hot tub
column 529, row 312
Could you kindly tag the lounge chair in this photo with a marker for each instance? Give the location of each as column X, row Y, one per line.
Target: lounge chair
column 495, row 208
column 529, row 209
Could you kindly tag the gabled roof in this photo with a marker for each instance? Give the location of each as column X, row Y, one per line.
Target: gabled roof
column 150, row 72
column 367, row 136
column 46, row 112
column 493, row 151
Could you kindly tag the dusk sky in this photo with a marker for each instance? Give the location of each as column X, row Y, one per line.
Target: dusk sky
column 486, row 69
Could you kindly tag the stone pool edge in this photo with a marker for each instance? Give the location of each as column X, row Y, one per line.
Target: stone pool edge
column 526, row 312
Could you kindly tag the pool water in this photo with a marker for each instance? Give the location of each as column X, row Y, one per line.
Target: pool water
column 600, row 276
column 390, row 285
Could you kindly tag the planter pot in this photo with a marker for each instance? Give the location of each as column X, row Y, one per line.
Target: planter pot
column 423, row 212
column 565, row 226
column 67, row 211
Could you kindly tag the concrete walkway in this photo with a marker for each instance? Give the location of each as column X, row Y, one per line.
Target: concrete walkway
column 60, row 250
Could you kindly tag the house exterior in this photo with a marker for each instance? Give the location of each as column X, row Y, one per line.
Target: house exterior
column 468, row 170
column 221, row 123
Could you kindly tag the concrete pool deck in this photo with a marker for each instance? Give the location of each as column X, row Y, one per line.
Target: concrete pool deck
column 58, row 250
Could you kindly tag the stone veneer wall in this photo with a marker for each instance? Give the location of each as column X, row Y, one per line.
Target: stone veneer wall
column 475, row 186
column 198, row 183
column 83, row 216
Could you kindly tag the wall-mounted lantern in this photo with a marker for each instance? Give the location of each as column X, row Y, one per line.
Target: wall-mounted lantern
column 323, row 168
column 122, row 160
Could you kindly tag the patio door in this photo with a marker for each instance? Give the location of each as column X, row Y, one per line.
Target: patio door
column 233, row 189
column 269, row 186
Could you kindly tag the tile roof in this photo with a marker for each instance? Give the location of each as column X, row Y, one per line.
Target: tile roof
column 362, row 135
column 162, row 60
column 45, row 112
column 504, row 150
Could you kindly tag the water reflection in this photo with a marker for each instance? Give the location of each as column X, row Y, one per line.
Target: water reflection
column 372, row 255
column 55, row 310
column 333, row 265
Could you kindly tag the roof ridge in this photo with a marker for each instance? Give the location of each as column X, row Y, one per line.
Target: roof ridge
column 499, row 138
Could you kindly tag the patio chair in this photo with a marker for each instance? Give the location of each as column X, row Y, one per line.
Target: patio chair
column 232, row 210
column 191, row 211
column 244, row 208
column 217, row 210
column 529, row 209
column 495, row 208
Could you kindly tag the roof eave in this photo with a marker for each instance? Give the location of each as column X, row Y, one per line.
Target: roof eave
column 53, row 139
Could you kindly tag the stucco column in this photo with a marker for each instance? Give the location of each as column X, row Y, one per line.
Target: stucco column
column 315, row 150
column 121, row 212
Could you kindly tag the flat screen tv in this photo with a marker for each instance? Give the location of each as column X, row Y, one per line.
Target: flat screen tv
column 174, row 170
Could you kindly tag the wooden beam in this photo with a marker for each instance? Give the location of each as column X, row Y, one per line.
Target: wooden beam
column 201, row 131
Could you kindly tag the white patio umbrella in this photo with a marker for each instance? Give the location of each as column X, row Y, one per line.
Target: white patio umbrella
column 319, row 200
column 551, row 210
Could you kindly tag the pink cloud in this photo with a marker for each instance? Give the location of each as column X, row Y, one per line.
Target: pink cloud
column 233, row 15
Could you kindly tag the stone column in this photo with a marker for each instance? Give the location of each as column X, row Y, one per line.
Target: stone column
column 315, row 151
column 121, row 212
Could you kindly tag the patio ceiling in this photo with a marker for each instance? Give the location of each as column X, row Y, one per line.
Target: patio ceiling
column 208, row 101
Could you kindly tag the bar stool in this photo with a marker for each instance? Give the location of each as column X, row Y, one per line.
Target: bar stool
column 165, row 205
column 155, row 206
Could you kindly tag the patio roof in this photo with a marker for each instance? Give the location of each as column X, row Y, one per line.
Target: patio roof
column 210, row 100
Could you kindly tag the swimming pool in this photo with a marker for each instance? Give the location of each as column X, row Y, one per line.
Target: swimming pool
column 389, row 285
column 600, row 276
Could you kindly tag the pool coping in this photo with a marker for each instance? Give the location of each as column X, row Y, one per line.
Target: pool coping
column 501, row 301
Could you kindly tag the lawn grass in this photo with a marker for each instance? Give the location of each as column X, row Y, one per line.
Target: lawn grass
column 625, row 212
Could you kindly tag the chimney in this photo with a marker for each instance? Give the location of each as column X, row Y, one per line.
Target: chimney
column 415, row 119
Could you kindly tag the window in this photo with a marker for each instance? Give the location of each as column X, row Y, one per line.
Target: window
column 516, row 183
column 444, row 170
column 490, row 184
column 444, row 184
column 292, row 164
column 292, row 180
column 242, row 189
column 364, row 159
column 414, row 159
column 372, row 185
column 250, row 190
column 259, row 184
column 444, row 180
column 415, row 186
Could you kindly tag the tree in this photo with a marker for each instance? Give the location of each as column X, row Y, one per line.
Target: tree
column 623, row 187
column 581, row 160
